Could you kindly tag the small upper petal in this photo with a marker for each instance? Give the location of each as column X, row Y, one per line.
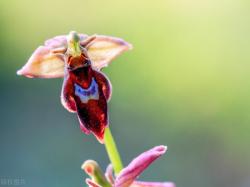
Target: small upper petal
column 129, row 174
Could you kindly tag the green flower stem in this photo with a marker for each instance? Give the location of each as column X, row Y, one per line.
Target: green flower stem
column 112, row 151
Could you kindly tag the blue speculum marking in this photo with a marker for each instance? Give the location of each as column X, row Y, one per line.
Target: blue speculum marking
column 89, row 93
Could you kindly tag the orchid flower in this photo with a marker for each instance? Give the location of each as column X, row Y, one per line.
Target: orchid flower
column 127, row 177
column 79, row 58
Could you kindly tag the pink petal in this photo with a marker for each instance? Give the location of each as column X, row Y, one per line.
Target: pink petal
column 43, row 64
column 83, row 37
column 152, row 184
column 109, row 174
column 56, row 42
column 127, row 176
column 103, row 49
column 91, row 183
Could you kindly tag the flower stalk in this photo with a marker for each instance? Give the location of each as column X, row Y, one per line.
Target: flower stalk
column 112, row 151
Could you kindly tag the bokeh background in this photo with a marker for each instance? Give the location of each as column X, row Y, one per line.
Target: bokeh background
column 186, row 84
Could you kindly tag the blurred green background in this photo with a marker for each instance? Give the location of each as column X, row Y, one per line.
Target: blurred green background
column 185, row 84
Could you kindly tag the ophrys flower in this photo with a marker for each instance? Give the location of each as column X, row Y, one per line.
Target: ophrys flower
column 78, row 58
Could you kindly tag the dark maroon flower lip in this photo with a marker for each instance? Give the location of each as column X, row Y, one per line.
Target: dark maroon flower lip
column 79, row 58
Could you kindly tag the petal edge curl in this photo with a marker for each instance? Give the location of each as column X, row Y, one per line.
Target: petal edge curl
column 129, row 174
